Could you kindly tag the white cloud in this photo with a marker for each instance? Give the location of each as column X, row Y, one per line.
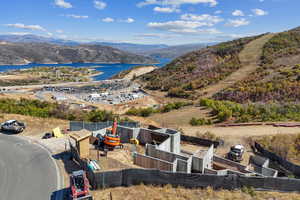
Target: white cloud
column 181, row 26
column 259, row 12
column 63, row 4
column 218, row 12
column 153, row 35
column 238, row 22
column 166, row 9
column 77, row 16
column 19, row 33
column 108, row 19
column 128, row 20
column 29, row 27
column 210, row 20
column 59, row 31
column 176, row 2
column 238, row 13
column 100, row 5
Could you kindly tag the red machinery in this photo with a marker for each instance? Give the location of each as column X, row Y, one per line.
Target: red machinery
column 111, row 139
column 79, row 186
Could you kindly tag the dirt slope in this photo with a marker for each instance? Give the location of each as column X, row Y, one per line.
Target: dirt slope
column 249, row 57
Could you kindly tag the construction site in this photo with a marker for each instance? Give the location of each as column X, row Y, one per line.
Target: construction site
column 111, row 154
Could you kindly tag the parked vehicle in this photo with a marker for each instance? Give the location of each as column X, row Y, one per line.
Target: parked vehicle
column 47, row 136
column 79, row 186
column 236, row 153
column 13, row 126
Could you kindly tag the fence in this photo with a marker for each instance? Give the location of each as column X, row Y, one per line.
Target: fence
column 129, row 177
column 200, row 141
column 295, row 169
column 94, row 126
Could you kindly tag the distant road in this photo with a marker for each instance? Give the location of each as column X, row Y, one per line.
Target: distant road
column 27, row 172
column 53, row 85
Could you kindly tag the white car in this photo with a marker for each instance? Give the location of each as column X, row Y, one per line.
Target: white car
column 13, row 126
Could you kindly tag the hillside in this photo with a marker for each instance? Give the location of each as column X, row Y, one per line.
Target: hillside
column 277, row 78
column 197, row 70
column 134, row 72
column 23, row 53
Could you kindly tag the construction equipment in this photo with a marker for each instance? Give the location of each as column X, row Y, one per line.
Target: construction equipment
column 111, row 138
column 236, row 153
column 79, row 186
column 13, row 126
column 134, row 141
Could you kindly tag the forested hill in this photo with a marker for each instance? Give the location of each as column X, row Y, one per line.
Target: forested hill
column 277, row 78
column 23, row 53
column 197, row 70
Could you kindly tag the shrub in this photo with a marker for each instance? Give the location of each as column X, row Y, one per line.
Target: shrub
column 145, row 112
column 44, row 109
column 225, row 110
column 200, row 121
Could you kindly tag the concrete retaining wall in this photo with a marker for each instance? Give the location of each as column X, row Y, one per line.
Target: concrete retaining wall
column 125, row 133
column 153, row 163
column 227, row 162
column 265, row 171
column 152, row 151
column 166, row 145
column 129, row 177
column 147, row 136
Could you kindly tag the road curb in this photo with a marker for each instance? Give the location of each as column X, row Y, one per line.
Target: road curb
column 60, row 181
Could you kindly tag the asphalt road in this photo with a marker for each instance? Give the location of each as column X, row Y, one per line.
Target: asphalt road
column 27, row 172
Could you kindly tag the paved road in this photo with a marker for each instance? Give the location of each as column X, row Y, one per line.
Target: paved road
column 27, row 172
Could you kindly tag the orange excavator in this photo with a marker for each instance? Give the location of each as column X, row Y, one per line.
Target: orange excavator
column 111, row 138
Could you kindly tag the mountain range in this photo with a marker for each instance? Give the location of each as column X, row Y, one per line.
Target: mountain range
column 22, row 53
column 152, row 50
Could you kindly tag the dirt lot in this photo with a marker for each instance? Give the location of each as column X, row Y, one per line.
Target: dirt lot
column 170, row 193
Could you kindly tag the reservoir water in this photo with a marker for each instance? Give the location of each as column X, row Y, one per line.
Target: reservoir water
column 108, row 69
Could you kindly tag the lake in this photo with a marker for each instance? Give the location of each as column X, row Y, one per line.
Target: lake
column 108, row 69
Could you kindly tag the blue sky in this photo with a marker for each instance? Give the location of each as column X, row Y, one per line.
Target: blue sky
column 148, row 21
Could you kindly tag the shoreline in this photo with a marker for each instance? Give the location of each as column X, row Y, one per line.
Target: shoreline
column 101, row 63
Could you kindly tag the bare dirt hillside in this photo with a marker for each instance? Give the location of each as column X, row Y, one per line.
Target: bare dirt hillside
column 139, row 71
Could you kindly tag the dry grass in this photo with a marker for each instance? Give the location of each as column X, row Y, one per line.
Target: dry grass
column 37, row 126
column 168, row 192
column 178, row 118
